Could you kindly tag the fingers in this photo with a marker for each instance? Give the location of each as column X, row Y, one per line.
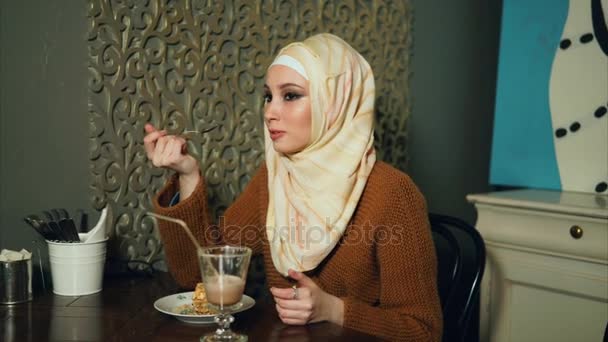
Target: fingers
column 306, row 287
column 151, row 139
column 293, row 274
column 159, row 149
column 293, row 316
column 167, row 151
column 149, row 128
column 287, row 293
column 293, row 321
column 301, row 278
column 282, row 293
column 174, row 148
column 294, row 304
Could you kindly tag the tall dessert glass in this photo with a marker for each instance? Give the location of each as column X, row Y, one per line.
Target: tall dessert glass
column 224, row 271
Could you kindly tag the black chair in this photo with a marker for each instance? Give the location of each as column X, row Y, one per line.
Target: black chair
column 461, row 257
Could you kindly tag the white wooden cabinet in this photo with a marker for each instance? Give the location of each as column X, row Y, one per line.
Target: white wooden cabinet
column 543, row 282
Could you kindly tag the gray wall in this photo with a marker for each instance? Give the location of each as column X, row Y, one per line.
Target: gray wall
column 43, row 113
column 454, row 67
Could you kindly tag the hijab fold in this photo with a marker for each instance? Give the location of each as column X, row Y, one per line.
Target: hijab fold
column 313, row 193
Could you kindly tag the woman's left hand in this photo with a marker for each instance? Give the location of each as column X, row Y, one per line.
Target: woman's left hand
column 310, row 305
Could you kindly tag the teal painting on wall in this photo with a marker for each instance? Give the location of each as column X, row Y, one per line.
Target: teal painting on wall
column 551, row 127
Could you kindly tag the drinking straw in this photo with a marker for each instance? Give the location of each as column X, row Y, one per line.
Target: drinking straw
column 179, row 222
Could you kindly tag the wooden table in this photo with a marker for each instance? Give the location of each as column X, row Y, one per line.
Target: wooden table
column 124, row 311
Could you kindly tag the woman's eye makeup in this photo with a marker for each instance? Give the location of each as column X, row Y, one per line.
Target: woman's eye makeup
column 267, row 97
column 288, row 96
column 291, row 96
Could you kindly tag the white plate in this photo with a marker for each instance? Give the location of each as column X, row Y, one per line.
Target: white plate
column 169, row 303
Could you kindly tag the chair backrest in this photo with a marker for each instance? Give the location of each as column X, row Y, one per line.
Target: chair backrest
column 461, row 259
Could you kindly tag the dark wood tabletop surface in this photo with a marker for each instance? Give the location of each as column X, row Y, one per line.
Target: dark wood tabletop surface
column 124, row 311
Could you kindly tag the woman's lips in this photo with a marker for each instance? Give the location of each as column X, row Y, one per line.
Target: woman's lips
column 275, row 134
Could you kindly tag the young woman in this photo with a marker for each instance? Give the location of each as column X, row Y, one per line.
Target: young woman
column 345, row 238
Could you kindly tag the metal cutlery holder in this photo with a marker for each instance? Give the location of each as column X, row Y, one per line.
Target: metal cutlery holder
column 16, row 281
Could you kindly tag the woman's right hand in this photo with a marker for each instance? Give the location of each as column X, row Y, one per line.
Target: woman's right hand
column 167, row 151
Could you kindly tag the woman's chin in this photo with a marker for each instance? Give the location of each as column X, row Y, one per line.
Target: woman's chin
column 284, row 148
column 281, row 150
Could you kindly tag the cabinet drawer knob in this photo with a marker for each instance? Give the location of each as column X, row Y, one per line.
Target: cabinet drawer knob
column 576, row 232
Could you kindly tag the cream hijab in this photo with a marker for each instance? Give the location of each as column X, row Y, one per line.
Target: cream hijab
column 313, row 193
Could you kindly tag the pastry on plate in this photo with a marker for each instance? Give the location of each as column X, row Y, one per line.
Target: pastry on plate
column 199, row 300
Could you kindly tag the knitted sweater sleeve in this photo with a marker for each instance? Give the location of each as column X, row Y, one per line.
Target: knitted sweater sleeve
column 409, row 307
column 242, row 225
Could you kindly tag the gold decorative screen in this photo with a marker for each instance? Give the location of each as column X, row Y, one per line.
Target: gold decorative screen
column 188, row 65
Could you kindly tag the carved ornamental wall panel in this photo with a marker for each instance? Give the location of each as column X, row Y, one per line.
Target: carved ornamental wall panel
column 188, row 65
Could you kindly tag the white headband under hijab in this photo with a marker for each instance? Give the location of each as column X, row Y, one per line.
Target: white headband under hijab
column 291, row 62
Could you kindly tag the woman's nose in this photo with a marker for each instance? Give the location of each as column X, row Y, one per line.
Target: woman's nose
column 271, row 111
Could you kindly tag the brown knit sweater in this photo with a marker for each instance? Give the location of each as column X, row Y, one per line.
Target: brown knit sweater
column 384, row 268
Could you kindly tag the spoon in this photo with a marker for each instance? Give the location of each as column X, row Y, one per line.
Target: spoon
column 66, row 223
column 188, row 135
column 32, row 222
column 53, row 225
column 41, row 226
column 84, row 221
column 48, row 215
column 69, row 229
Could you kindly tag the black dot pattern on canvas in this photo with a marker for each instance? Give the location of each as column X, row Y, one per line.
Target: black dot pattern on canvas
column 599, row 22
column 575, row 127
column 601, row 111
column 564, row 44
column 601, row 187
column 560, row 132
column 586, row 38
